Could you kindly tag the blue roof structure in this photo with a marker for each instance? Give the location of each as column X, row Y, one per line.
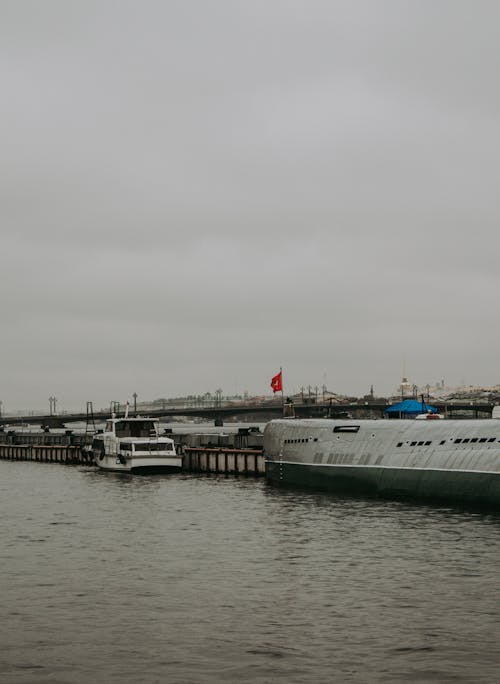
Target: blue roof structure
column 410, row 408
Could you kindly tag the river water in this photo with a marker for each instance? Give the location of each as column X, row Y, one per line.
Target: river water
column 187, row 579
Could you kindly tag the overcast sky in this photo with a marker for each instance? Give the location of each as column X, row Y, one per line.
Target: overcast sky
column 194, row 194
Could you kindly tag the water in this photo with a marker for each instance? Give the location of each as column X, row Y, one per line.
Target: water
column 186, row 579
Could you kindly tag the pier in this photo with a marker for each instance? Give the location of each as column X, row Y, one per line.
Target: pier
column 69, row 449
column 224, row 460
column 70, row 455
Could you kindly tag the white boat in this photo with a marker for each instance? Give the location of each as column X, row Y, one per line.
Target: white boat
column 131, row 445
column 454, row 460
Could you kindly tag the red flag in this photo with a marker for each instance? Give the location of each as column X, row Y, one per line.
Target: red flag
column 276, row 383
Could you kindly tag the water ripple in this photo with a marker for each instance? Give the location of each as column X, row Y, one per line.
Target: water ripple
column 193, row 579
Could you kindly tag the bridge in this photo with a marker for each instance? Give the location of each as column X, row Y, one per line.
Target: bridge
column 266, row 410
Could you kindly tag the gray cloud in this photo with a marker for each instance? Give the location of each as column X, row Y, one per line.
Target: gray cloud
column 193, row 194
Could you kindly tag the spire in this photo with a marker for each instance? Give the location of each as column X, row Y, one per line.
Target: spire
column 405, row 387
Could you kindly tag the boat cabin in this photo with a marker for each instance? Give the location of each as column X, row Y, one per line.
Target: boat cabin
column 133, row 427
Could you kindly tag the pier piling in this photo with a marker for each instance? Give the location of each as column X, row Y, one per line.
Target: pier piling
column 225, row 460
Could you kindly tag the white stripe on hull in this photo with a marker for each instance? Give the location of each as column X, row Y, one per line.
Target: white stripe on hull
column 383, row 467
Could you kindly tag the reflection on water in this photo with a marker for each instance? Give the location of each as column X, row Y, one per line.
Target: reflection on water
column 182, row 578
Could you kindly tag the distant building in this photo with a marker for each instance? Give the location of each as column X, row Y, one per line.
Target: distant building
column 406, row 390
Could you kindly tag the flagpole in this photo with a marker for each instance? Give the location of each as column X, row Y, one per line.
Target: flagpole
column 282, row 397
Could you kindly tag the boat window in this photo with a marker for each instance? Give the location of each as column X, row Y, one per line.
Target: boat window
column 315, row 439
column 125, row 447
column 152, row 446
column 457, row 441
column 482, row 440
column 492, row 439
column 465, row 440
column 399, row 444
column 428, row 443
column 420, row 444
column 473, row 439
column 443, row 441
column 135, row 428
column 413, row 443
column 346, row 428
column 161, row 447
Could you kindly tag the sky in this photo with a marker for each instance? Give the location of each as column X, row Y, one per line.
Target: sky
column 195, row 194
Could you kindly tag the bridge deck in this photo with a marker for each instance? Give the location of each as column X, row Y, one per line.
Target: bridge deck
column 267, row 409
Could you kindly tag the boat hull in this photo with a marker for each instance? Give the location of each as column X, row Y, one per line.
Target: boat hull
column 454, row 461
column 139, row 465
column 396, row 483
